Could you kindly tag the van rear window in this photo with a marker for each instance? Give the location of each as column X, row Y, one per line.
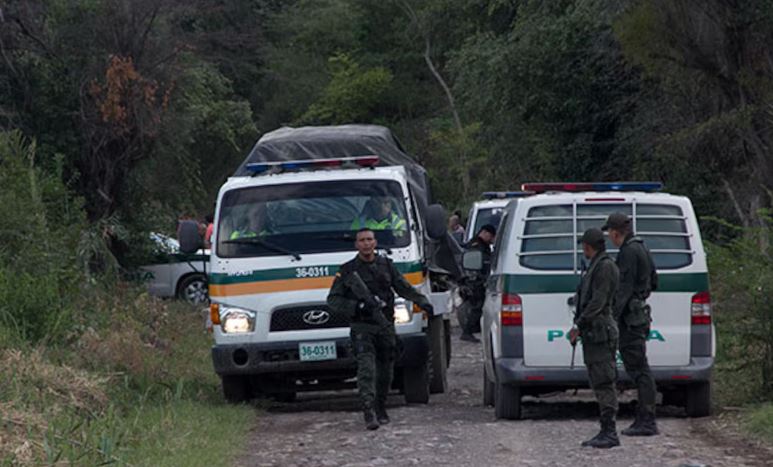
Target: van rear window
column 550, row 234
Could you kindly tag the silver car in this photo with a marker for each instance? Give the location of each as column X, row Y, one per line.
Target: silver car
column 177, row 274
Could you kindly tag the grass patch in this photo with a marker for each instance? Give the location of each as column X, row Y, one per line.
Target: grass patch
column 759, row 421
column 138, row 390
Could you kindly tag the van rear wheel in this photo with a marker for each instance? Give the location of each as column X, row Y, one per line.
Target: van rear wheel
column 507, row 401
column 698, row 402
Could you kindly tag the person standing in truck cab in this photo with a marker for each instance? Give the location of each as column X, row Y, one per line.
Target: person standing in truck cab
column 637, row 280
column 372, row 321
column 255, row 223
column 378, row 214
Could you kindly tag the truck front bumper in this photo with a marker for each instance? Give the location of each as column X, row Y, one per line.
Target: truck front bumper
column 283, row 357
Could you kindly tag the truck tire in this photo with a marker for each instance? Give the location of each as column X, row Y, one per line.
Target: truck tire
column 488, row 389
column 438, row 382
column 236, row 389
column 698, row 403
column 285, row 396
column 507, row 401
column 447, row 329
column 193, row 289
column 416, row 384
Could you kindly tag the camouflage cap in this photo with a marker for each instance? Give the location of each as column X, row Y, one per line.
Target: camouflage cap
column 616, row 221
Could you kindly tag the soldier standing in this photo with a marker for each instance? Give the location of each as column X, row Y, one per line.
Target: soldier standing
column 475, row 289
column 632, row 314
column 372, row 328
column 594, row 324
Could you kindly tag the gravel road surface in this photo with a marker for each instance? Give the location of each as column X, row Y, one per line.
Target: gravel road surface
column 455, row 429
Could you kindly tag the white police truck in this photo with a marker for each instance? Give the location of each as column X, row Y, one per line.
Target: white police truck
column 285, row 223
column 537, row 266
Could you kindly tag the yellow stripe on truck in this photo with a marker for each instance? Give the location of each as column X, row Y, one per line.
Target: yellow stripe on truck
column 288, row 285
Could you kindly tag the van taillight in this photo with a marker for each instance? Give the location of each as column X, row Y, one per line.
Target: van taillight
column 512, row 310
column 701, row 308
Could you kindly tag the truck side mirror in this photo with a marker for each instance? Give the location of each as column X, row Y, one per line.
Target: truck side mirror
column 436, row 221
column 189, row 237
column 472, row 260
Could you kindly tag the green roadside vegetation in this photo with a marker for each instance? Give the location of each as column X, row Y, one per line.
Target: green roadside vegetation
column 92, row 369
column 742, row 285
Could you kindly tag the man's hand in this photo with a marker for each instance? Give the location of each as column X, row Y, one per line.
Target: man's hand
column 574, row 335
column 429, row 309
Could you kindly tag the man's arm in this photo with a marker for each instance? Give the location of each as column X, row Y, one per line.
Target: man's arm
column 405, row 289
column 626, row 263
column 603, row 284
column 338, row 300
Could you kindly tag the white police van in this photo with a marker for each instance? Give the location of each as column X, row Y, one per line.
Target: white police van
column 284, row 225
column 537, row 266
column 488, row 210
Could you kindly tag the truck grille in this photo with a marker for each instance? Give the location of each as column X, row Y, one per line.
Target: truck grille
column 317, row 317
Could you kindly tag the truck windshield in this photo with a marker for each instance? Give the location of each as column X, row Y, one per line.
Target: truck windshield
column 311, row 217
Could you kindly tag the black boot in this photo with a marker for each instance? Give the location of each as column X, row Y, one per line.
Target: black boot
column 606, row 438
column 381, row 413
column 644, row 425
column 370, row 417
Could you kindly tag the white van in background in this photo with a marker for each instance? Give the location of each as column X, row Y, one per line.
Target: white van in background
column 489, row 210
column 537, row 266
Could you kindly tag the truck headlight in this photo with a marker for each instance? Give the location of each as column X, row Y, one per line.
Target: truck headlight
column 402, row 314
column 236, row 320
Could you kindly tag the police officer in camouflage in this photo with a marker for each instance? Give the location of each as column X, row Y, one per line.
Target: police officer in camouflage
column 637, row 279
column 594, row 324
column 372, row 321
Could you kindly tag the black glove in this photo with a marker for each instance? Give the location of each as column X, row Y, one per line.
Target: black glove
column 427, row 307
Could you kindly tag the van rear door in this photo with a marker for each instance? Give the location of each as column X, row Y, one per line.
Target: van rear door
column 550, row 263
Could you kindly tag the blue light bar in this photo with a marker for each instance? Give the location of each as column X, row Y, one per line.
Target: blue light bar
column 596, row 186
column 505, row 194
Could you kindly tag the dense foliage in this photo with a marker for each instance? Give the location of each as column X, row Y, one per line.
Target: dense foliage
column 139, row 110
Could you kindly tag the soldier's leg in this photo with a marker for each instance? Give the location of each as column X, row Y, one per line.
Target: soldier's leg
column 365, row 354
column 385, row 362
column 602, row 374
column 633, row 350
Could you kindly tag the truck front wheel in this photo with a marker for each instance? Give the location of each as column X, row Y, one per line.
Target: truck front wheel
column 236, row 389
column 416, row 384
column 438, row 381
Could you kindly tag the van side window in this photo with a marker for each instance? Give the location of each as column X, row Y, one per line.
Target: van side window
column 504, row 233
column 664, row 230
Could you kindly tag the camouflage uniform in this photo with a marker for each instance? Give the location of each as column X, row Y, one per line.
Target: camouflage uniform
column 373, row 337
column 598, row 331
column 477, row 288
column 637, row 280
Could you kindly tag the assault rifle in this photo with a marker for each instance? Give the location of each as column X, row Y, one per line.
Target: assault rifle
column 373, row 303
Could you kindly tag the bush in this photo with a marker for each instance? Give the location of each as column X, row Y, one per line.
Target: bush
column 742, row 282
column 41, row 229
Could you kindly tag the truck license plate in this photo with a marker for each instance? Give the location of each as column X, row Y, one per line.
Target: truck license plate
column 314, row 351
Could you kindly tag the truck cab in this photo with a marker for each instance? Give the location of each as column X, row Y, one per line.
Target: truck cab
column 282, row 231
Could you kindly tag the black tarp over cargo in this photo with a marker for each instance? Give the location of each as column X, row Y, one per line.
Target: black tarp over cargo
column 327, row 142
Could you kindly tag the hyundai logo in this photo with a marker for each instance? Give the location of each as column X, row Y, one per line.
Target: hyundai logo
column 316, row 317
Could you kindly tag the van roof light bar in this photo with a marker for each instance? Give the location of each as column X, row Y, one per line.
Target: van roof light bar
column 505, row 194
column 258, row 168
column 595, row 186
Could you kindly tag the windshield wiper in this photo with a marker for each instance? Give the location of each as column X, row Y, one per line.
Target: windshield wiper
column 269, row 245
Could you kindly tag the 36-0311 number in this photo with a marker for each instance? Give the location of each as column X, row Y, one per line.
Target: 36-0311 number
column 313, row 271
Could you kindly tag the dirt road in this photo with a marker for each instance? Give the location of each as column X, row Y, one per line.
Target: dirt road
column 454, row 429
